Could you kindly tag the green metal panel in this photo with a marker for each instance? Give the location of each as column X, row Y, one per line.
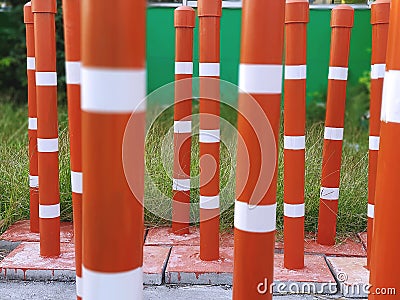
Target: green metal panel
column 161, row 47
column 319, row 46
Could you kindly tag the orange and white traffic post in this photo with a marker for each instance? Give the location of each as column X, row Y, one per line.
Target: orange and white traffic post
column 184, row 24
column 44, row 12
column 209, row 12
column 260, row 84
column 385, row 263
column 72, row 42
column 341, row 22
column 380, row 10
column 113, row 88
column 296, row 19
column 32, row 119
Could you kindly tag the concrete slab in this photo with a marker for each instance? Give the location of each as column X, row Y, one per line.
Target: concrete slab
column 20, row 232
column 352, row 275
column 314, row 278
column 33, row 290
column 154, row 263
column 25, row 263
column 185, row 267
column 363, row 237
column 164, row 236
column 349, row 247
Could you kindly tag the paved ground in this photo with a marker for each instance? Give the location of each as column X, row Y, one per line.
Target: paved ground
column 19, row 290
column 16, row 289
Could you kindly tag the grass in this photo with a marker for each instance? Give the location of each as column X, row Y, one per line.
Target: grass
column 14, row 191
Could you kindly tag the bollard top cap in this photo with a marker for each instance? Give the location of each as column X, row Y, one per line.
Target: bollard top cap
column 28, row 15
column 44, row 6
column 380, row 11
column 297, row 11
column 184, row 16
column 209, row 8
column 342, row 16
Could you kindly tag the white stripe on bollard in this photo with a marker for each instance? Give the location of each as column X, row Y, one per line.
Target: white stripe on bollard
column 183, row 67
column 332, row 133
column 108, row 285
column 209, row 202
column 113, row 91
column 32, row 123
column 30, row 63
column 47, row 145
column 374, row 143
column 49, row 211
column 390, row 97
column 33, row 181
column 294, row 210
column 182, row 126
column 295, row 72
column 181, row 184
column 255, row 218
column 378, row 71
column 294, row 142
column 73, row 72
column 338, row 73
column 79, row 286
column 371, row 211
column 46, row 78
column 76, row 182
column 209, row 69
column 209, row 135
column 329, row 193
column 260, row 79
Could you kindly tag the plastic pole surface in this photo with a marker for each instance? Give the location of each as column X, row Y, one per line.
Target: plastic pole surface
column 297, row 16
column 341, row 22
column 209, row 12
column 385, row 263
column 72, row 42
column 184, row 24
column 44, row 12
column 260, row 88
column 32, row 119
column 113, row 88
column 380, row 25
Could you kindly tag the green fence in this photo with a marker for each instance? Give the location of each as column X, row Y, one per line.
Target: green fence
column 161, row 44
column 161, row 47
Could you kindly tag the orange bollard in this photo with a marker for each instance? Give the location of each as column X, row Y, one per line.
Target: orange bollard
column 385, row 265
column 209, row 12
column 32, row 122
column 46, row 92
column 341, row 22
column 297, row 16
column 184, row 24
column 380, row 25
column 113, row 89
column 260, row 83
column 72, row 36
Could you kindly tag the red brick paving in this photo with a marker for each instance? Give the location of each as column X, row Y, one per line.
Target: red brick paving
column 184, row 264
column 26, row 256
column 20, row 232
